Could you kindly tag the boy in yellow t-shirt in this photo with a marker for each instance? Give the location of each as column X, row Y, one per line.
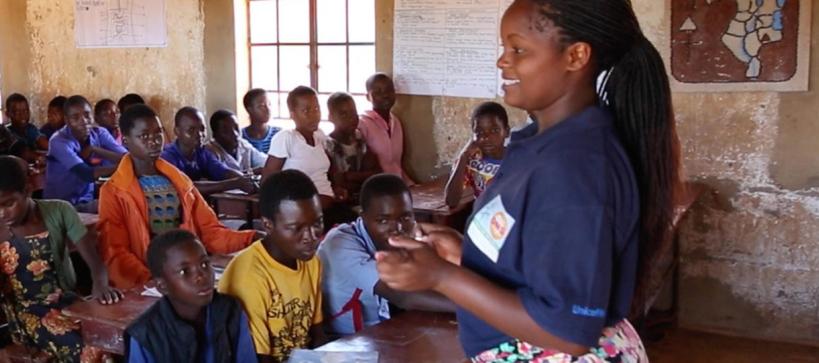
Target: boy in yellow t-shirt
column 277, row 278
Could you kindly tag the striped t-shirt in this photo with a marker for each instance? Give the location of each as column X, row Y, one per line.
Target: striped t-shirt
column 262, row 144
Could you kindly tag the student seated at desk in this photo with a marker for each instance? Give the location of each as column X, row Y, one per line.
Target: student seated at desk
column 37, row 275
column 354, row 296
column 258, row 133
column 147, row 196
column 129, row 100
column 188, row 155
column 12, row 145
column 352, row 162
column 481, row 157
column 234, row 151
column 277, row 278
column 303, row 149
column 382, row 129
column 20, row 114
column 56, row 116
column 79, row 154
column 191, row 323
column 106, row 113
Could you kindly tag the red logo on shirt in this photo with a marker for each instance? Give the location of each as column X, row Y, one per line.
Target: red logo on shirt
column 498, row 226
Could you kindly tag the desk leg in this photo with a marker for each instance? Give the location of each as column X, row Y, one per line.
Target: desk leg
column 249, row 214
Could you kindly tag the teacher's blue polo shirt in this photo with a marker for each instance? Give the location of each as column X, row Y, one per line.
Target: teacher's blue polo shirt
column 559, row 226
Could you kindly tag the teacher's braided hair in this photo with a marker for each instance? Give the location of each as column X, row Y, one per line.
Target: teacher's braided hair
column 632, row 82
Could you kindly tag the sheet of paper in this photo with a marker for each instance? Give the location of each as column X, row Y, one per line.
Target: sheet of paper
column 317, row 356
column 236, row 191
column 120, row 23
column 151, row 291
column 446, row 48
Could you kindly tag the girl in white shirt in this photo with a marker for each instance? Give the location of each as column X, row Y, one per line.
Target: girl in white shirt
column 303, row 147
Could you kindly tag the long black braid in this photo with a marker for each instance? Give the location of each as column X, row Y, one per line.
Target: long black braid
column 635, row 88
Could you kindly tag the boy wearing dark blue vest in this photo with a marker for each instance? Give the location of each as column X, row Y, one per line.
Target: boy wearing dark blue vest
column 192, row 322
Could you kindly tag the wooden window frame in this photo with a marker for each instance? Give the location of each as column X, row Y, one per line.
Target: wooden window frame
column 313, row 45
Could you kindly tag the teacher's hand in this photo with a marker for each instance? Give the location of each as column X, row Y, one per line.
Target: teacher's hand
column 413, row 266
column 448, row 243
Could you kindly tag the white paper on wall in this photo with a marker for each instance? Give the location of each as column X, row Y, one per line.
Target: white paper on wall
column 120, row 23
column 447, row 48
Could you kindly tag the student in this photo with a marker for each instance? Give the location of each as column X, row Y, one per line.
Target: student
column 481, row 158
column 382, row 129
column 354, row 296
column 277, row 278
column 352, row 161
column 147, row 196
column 302, row 148
column 56, row 116
column 78, row 155
column 106, row 113
column 129, row 100
column 38, row 277
column 188, row 155
column 566, row 231
column 19, row 113
column 191, row 323
column 11, row 145
column 234, row 151
column 258, row 133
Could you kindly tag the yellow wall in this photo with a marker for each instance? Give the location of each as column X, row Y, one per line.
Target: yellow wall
column 168, row 78
column 14, row 52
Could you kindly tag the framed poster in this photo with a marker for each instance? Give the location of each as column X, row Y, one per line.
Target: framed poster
column 740, row 45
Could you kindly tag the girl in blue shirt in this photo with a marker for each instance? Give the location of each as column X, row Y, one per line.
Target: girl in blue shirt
column 561, row 240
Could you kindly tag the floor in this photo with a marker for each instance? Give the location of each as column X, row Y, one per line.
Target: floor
column 689, row 346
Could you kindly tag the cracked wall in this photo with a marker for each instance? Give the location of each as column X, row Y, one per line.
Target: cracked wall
column 168, row 78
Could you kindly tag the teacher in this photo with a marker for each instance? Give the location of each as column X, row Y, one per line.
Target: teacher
column 564, row 236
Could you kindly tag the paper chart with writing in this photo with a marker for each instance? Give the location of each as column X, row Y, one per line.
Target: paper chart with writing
column 447, row 48
column 120, row 23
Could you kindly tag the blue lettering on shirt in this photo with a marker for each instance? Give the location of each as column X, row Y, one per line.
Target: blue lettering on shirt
column 587, row 311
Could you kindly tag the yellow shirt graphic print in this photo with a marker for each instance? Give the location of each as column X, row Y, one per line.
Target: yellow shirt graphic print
column 282, row 304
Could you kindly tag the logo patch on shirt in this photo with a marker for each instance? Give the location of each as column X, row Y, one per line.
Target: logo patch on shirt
column 498, row 225
column 490, row 227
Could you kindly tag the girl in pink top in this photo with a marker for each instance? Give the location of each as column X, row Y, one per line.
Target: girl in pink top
column 381, row 129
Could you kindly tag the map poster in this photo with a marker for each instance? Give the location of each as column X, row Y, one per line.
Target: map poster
column 740, row 45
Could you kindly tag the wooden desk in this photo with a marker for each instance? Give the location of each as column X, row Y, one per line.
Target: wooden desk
column 429, row 205
column 102, row 326
column 236, row 205
column 413, row 336
column 427, row 202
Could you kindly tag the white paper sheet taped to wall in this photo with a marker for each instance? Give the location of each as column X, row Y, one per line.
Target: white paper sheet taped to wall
column 447, row 48
column 120, row 23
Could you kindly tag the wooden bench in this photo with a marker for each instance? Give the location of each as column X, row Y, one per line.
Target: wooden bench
column 14, row 353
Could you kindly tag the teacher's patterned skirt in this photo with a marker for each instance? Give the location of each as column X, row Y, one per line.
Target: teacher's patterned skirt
column 619, row 343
